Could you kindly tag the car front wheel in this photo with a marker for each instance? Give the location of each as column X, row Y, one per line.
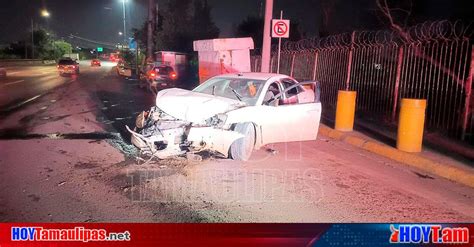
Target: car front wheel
column 242, row 148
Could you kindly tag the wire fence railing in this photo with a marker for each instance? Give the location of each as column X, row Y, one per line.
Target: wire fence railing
column 432, row 61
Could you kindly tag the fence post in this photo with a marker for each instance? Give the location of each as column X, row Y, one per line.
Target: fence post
column 292, row 64
column 316, row 54
column 271, row 64
column 349, row 62
column 467, row 101
column 397, row 83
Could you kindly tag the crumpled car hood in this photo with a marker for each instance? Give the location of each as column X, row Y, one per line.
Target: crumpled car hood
column 192, row 106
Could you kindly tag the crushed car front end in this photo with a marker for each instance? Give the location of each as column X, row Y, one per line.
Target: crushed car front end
column 163, row 136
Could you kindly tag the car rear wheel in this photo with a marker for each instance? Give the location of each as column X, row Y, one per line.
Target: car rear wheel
column 242, row 148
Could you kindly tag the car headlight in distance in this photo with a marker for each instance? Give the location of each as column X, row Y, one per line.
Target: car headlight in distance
column 217, row 120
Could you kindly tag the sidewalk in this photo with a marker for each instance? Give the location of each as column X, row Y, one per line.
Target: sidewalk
column 433, row 162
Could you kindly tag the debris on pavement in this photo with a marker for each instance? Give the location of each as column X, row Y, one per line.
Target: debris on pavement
column 193, row 157
column 272, row 151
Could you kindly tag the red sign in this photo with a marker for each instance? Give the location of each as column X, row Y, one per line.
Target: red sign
column 280, row 28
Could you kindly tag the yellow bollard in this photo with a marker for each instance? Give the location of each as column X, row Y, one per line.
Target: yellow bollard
column 345, row 110
column 411, row 124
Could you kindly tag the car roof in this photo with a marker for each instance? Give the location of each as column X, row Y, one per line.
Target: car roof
column 253, row 75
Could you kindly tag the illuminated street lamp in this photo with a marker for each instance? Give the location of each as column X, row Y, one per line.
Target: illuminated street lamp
column 45, row 13
column 120, row 33
column 124, row 20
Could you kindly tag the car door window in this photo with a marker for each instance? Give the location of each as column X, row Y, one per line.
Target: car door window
column 272, row 91
column 296, row 93
column 290, row 96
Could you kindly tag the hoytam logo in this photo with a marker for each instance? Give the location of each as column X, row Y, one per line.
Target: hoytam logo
column 75, row 234
column 436, row 234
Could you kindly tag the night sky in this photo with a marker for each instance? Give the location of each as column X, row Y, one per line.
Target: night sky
column 101, row 20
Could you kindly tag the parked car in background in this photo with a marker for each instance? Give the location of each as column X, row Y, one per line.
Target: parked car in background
column 114, row 57
column 95, row 62
column 230, row 115
column 68, row 66
column 3, row 72
column 161, row 76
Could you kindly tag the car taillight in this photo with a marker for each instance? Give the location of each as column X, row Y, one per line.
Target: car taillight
column 152, row 74
column 73, row 66
column 173, row 75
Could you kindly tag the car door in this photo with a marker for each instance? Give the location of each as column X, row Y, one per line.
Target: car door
column 270, row 116
column 297, row 115
column 304, row 113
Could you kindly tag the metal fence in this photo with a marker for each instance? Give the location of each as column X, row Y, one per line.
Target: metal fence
column 433, row 61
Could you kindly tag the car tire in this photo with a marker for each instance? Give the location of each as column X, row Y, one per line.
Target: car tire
column 242, row 148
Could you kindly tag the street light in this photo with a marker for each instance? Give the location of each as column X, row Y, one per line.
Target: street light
column 45, row 13
column 120, row 33
column 124, row 21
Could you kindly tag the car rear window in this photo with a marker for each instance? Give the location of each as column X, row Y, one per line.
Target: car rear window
column 66, row 62
column 163, row 70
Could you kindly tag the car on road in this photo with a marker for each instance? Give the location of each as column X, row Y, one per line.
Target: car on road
column 3, row 72
column 161, row 76
column 68, row 66
column 123, row 69
column 95, row 62
column 229, row 115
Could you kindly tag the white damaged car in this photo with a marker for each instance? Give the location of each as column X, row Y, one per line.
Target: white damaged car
column 229, row 115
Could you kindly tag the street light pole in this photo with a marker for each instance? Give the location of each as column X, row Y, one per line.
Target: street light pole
column 124, row 22
column 32, row 40
column 151, row 25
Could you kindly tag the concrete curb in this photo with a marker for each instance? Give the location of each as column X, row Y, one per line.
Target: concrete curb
column 433, row 167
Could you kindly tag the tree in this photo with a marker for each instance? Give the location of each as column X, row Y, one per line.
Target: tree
column 61, row 47
column 203, row 25
column 177, row 31
column 180, row 22
column 251, row 26
column 45, row 46
column 328, row 8
column 397, row 18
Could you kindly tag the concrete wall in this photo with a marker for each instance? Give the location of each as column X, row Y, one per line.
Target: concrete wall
column 221, row 56
column 25, row 62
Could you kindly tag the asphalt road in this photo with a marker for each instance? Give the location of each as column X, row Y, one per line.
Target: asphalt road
column 66, row 156
column 25, row 82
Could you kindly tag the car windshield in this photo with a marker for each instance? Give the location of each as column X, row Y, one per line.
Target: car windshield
column 244, row 89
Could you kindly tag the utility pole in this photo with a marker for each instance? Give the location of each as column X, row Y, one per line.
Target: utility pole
column 124, row 23
column 26, row 48
column 151, row 25
column 32, row 40
column 267, row 41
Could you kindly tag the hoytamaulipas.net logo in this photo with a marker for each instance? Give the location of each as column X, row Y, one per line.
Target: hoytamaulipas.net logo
column 435, row 234
column 73, row 234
